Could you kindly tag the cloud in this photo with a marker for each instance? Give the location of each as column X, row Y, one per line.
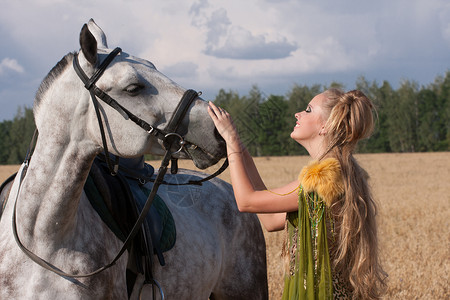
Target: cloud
column 218, row 25
column 10, row 64
column 242, row 44
column 225, row 40
column 197, row 7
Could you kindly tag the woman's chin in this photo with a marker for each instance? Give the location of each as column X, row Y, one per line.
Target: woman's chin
column 295, row 137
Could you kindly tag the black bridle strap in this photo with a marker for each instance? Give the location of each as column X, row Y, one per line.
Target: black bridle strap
column 94, row 91
column 168, row 134
column 112, row 168
column 89, row 83
column 180, row 111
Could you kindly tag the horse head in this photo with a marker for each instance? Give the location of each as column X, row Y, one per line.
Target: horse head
column 139, row 88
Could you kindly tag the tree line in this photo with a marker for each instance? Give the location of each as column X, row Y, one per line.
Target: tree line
column 411, row 118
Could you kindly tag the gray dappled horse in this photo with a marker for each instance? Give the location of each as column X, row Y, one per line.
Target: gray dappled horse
column 219, row 252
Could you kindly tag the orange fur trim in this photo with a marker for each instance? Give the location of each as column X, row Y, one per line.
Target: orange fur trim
column 323, row 177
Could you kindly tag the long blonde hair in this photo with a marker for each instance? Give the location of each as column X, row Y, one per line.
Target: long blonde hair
column 356, row 255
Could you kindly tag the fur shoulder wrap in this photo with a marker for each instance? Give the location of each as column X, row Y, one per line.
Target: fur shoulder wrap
column 324, row 178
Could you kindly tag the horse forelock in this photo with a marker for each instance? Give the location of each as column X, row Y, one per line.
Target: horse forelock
column 54, row 73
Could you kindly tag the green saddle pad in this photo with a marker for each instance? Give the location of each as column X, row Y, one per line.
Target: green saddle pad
column 169, row 231
column 168, row 237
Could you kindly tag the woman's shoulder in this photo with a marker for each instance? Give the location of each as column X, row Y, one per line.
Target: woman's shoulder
column 323, row 177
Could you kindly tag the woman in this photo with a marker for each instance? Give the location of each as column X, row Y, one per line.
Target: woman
column 329, row 213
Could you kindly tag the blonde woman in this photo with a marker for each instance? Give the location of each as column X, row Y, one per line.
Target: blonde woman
column 329, row 214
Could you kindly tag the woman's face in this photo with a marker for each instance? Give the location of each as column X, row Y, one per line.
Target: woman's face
column 310, row 122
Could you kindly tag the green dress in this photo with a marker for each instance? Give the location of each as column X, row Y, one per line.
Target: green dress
column 309, row 274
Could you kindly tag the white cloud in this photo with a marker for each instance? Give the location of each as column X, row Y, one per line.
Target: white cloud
column 242, row 44
column 10, row 65
column 226, row 40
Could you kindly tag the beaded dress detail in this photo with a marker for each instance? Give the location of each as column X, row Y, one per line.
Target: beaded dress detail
column 310, row 236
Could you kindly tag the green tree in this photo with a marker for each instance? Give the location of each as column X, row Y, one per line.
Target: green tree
column 20, row 135
column 335, row 85
column 249, row 120
column 272, row 133
column 5, row 141
column 378, row 142
column 441, row 88
column 429, row 121
column 402, row 111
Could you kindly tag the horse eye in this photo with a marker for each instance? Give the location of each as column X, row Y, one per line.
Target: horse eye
column 134, row 89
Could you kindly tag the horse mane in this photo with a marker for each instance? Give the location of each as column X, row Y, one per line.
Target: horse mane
column 54, row 73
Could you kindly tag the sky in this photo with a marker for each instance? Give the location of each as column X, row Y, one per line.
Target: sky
column 208, row 45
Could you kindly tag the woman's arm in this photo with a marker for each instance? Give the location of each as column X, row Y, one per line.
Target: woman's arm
column 250, row 192
column 270, row 221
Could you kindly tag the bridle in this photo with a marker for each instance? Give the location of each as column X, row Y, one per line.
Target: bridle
column 168, row 136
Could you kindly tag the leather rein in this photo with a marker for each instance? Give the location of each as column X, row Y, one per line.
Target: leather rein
column 168, row 136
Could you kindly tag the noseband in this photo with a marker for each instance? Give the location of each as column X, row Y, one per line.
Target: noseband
column 168, row 136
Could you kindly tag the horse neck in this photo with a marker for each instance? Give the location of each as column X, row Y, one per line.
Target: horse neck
column 48, row 203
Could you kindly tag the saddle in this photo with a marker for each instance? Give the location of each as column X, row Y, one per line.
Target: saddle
column 118, row 200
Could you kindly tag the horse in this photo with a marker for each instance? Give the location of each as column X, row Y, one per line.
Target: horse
column 219, row 252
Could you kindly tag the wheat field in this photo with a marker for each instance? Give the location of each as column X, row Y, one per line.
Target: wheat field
column 413, row 195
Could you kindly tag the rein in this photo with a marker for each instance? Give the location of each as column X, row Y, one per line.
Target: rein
column 168, row 136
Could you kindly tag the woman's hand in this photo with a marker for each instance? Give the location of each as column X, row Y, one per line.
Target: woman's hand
column 224, row 124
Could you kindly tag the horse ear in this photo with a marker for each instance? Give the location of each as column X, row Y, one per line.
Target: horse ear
column 88, row 45
column 98, row 34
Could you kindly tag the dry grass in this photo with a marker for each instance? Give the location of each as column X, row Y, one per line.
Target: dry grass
column 413, row 192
